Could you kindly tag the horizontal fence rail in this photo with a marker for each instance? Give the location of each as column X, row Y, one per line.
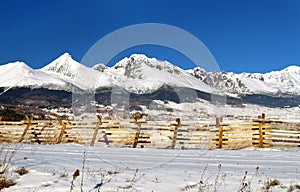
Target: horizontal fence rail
column 135, row 132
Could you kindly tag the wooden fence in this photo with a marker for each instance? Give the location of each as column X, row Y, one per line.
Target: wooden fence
column 135, row 132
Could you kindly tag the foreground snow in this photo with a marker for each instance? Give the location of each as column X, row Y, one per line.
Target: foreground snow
column 51, row 168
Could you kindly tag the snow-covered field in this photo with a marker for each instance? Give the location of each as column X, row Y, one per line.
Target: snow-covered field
column 204, row 110
column 52, row 167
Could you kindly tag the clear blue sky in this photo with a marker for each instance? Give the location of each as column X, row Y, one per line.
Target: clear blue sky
column 243, row 35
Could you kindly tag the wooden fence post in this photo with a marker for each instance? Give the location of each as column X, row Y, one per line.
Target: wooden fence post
column 175, row 133
column 138, row 131
column 263, row 115
column 261, row 124
column 104, row 134
column 220, row 138
column 62, row 131
column 26, row 128
column 60, row 136
column 59, row 120
column 260, row 129
column 261, row 142
column 96, row 130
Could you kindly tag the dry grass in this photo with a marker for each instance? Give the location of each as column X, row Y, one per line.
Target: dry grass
column 7, row 152
column 270, row 183
column 204, row 185
column 294, row 187
column 131, row 182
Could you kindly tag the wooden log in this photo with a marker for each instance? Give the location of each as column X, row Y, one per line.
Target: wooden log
column 59, row 120
column 220, row 136
column 26, row 128
column 105, row 136
column 96, row 130
column 62, row 131
column 175, row 133
column 138, row 131
column 261, row 138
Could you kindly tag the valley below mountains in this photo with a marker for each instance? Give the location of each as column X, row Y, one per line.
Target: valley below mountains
column 139, row 83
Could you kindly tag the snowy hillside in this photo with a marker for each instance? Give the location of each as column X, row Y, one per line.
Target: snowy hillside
column 18, row 74
column 286, row 81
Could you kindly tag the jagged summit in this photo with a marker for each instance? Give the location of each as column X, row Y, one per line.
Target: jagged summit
column 73, row 72
column 64, row 65
column 100, row 67
column 141, row 59
column 140, row 66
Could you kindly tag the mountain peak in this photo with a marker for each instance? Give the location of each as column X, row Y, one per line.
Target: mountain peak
column 292, row 68
column 100, row 67
column 19, row 74
column 137, row 64
column 139, row 59
column 65, row 55
column 138, row 56
column 64, row 65
column 16, row 65
column 64, row 58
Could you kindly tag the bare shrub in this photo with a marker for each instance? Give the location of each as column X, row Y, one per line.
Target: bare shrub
column 75, row 175
column 136, row 177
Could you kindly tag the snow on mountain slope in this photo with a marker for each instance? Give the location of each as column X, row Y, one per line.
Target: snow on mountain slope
column 286, row 81
column 222, row 81
column 18, row 74
column 141, row 74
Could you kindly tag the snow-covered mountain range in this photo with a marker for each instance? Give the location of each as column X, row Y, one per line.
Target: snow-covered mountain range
column 140, row 74
column 286, row 81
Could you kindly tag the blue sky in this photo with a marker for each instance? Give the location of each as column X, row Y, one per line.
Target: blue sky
column 243, row 35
